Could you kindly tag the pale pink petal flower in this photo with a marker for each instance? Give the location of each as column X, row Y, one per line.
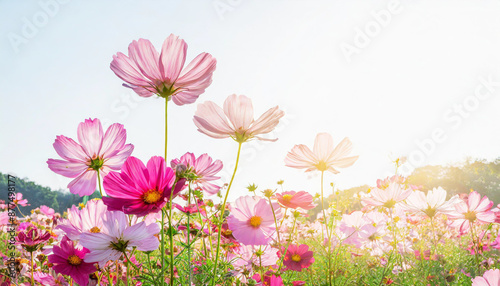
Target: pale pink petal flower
column 235, row 120
column 389, row 197
column 323, row 157
column 87, row 219
column 489, row 278
column 199, row 171
column 350, row 225
column 430, row 204
column 252, row 221
column 294, row 200
column 97, row 151
column 472, row 210
column 20, row 201
column 118, row 236
column 147, row 72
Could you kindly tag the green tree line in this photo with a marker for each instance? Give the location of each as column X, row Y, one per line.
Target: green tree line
column 38, row 195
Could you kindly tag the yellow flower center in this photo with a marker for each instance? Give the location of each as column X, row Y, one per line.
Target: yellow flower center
column 471, row 216
column 287, row 198
column 321, row 166
column 390, row 204
column 296, row 258
column 95, row 229
column 431, row 212
column 151, row 196
column 255, row 221
column 74, row 260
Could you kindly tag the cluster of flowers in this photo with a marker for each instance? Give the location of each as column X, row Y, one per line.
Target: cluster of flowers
column 154, row 223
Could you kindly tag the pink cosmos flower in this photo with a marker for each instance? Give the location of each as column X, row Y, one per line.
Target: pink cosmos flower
column 245, row 257
column 88, row 219
column 375, row 238
column 96, row 152
column 69, row 260
column 117, row 237
column 389, row 197
column 252, row 221
column 350, row 226
column 20, row 201
column 324, row 156
column 47, row 211
column 140, row 189
column 235, row 120
column 489, row 278
column 384, row 184
column 48, row 279
column 432, row 204
column 471, row 210
column 4, row 218
column 200, row 171
column 298, row 257
column 273, row 280
column 147, row 72
column 294, row 200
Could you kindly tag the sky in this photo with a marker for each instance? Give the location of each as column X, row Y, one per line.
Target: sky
column 399, row 78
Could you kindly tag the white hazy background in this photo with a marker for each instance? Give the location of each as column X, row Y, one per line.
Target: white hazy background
column 387, row 80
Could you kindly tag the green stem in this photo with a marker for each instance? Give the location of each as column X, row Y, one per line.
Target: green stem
column 162, row 245
column 128, row 260
column 475, row 244
column 32, row 267
column 116, row 263
column 20, row 211
column 385, row 268
column 166, row 126
column 395, row 247
column 127, row 269
column 275, row 223
column 221, row 220
column 435, row 242
column 170, row 234
column 260, row 264
column 326, row 230
column 99, row 180
column 189, row 234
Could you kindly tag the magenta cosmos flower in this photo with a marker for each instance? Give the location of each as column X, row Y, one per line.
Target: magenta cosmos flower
column 323, row 157
column 389, row 197
column 199, row 171
column 294, row 200
column 32, row 238
column 118, row 236
column 235, row 119
column 68, row 260
column 472, row 210
column 87, row 219
column 298, row 257
column 97, row 151
column 252, row 220
column 489, row 278
column 148, row 72
column 140, row 189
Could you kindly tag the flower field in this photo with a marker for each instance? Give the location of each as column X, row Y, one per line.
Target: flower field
column 160, row 222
